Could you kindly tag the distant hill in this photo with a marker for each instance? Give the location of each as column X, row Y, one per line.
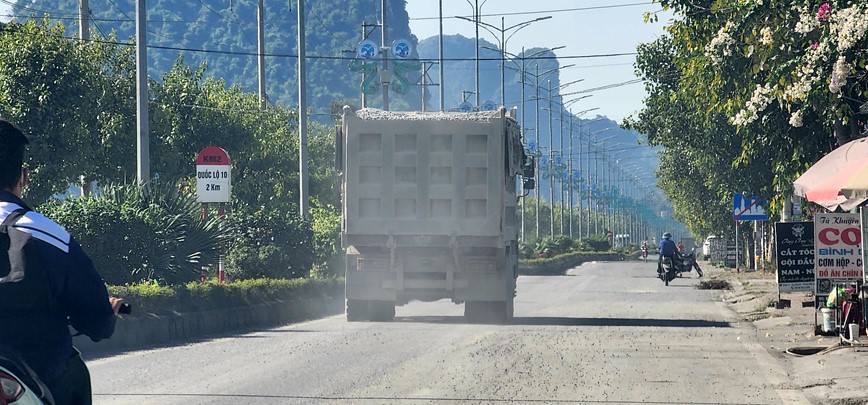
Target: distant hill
column 460, row 76
column 223, row 35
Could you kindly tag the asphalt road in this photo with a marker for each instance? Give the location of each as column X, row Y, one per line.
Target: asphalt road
column 608, row 333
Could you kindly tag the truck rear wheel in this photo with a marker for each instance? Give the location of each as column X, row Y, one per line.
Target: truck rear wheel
column 357, row 310
column 488, row 311
column 382, row 311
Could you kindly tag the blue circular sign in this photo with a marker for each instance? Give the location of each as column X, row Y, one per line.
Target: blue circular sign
column 367, row 50
column 465, row 107
column 402, row 49
column 488, row 105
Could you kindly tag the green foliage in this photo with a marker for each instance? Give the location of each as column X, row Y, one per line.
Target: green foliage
column 743, row 102
column 147, row 298
column 268, row 243
column 73, row 101
column 596, row 243
column 326, row 223
column 230, row 27
column 141, row 233
column 558, row 265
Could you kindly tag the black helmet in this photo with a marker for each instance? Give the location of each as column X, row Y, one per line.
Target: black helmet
column 667, row 235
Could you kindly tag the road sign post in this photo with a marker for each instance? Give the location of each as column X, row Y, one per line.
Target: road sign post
column 746, row 209
column 213, row 184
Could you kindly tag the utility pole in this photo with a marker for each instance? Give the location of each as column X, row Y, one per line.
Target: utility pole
column 385, row 58
column 364, row 34
column 523, row 129
column 561, row 155
column 579, row 191
column 536, row 132
column 425, row 67
column 476, row 17
column 302, row 115
column 551, row 163
column 570, row 170
column 143, row 161
column 83, row 20
column 84, row 35
column 260, row 31
column 588, row 181
column 440, row 57
column 502, row 61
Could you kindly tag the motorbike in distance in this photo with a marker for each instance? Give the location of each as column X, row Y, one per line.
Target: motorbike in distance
column 19, row 384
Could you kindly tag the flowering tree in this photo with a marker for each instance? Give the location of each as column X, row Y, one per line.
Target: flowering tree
column 746, row 94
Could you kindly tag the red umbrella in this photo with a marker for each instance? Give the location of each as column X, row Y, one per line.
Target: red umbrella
column 830, row 189
column 857, row 186
column 823, row 181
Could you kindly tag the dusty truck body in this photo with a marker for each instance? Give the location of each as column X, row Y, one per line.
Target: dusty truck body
column 429, row 210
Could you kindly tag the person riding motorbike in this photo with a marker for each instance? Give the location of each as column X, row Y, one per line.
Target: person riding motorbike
column 668, row 249
column 67, row 290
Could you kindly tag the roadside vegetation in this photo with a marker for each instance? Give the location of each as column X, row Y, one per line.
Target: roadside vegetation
column 73, row 101
column 745, row 96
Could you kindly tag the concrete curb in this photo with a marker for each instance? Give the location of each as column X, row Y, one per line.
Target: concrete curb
column 144, row 331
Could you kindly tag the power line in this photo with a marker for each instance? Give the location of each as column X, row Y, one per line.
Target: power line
column 563, row 10
column 16, row 5
column 342, row 58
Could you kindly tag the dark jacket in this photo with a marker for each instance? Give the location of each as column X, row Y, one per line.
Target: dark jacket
column 79, row 292
column 667, row 248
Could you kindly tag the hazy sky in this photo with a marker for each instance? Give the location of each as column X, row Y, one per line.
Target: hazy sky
column 593, row 31
column 583, row 27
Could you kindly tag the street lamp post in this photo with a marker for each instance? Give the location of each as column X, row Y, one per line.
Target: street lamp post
column 537, row 77
column 570, row 159
column 502, row 39
column 552, row 153
column 593, row 208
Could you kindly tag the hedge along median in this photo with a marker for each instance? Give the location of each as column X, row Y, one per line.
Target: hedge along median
column 165, row 314
column 558, row 265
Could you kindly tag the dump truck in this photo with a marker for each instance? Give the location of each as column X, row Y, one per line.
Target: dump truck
column 429, row 210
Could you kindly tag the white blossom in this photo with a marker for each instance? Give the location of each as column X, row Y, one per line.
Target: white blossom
column 758, row 102
column 839, row 75
column 720, row 45
column 849, row 26
column 796, row 119
column 807, row 76
column 807, row 21
column 766, row 36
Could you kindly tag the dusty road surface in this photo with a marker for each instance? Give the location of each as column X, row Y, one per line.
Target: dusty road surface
column 608, row 333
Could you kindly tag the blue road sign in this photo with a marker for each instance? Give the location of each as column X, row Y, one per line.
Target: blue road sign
column 402, row 49
column 748, row 209
column 367, row 50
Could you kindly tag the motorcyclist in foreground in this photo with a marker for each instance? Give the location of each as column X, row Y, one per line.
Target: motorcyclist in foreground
column 70, row 291
column 668, row 249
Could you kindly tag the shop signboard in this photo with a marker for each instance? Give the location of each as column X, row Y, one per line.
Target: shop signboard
column 731, row 255
column 794, row 244
column 837, row 252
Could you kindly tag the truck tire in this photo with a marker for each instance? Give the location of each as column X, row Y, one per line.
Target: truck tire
column 357, row 310
column 509, row 310
column 496, row 312
column 382, row 311
column 474, row 311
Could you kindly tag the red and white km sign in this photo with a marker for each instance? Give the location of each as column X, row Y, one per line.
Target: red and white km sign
column 213, row 175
